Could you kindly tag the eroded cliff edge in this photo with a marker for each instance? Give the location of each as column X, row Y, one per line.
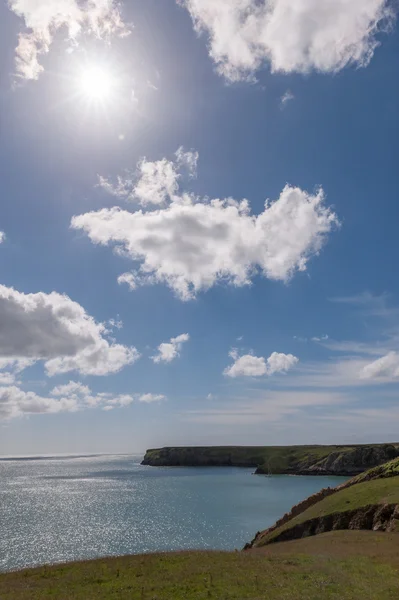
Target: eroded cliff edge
column 343, row 460
column 368, row 501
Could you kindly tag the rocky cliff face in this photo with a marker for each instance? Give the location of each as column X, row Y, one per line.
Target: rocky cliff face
column 375, row 517
column 295, row 511
column 346, row 462
column 200, row 457
column 298, row 460
column 354, row 461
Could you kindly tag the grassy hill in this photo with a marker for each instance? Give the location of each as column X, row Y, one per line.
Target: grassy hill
column 368, row 501
column 335, row 566
column 316, row 460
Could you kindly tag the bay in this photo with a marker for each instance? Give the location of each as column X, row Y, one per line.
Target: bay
column 60, row 509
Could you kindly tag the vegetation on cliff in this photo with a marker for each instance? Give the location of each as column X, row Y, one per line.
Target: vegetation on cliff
column 306, row 460
column 340, row 565
column 368, row 501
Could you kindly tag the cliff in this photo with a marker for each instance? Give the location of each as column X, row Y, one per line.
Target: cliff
column 368, row 501
column 297, row 460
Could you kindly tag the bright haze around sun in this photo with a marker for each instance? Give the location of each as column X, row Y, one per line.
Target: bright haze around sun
column 96, row 83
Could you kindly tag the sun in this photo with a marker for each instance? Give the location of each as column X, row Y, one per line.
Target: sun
column 96, row 84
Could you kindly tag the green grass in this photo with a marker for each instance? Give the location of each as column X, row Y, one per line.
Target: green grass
column 277, row 459
column 388, row 469
column 376, row 491
column 287, row 573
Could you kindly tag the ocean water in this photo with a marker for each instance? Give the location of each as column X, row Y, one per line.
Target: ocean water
column 61, row 509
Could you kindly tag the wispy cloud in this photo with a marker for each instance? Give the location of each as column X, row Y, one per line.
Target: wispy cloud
column 368, row 304
column 285, row 98
column 265, row 406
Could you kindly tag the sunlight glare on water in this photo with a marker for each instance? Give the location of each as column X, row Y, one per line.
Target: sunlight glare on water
column 54, row 510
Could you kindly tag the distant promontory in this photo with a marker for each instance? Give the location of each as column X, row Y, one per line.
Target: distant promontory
column 346, row 460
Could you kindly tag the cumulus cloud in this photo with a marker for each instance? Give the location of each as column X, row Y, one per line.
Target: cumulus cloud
column 300, row 36
column 7, row 378
column 257, row 366
column 192, row 244
column 280, row 363
column 73, row 388
column 69, row 397
column 247, row 365
column 44, row 18
column 385, row 367
column 168, row 351
column 154, row 182
column 54, row 328
column 2, row 237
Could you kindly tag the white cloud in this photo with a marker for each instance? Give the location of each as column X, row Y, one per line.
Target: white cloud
column 322, row 338
column 148, row 398
column 299, row 36
column 157, row 182
column 256, row 366
column 191, row 245
column 130, row 279
column 14, row 402
column 115, row 323
column 53, row 328
column 187, row 160
column 385, row 367
column 286, row 97
column 168, row 351
column 73, row 388
column 247, row 366
column 280, row 363
column 154, row 182
column 44, row 18
column 69, row 397
column 2, row 237
column 7, row 378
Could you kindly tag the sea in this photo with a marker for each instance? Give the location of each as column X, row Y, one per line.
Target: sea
column 57, row 509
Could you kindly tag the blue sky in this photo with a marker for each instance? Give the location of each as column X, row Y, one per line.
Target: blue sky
column 143, row 302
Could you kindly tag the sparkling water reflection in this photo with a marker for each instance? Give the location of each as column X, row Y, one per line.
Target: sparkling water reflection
column 54, row 510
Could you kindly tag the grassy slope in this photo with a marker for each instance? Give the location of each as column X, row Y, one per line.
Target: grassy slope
column 377, row 486
column 389, row 469
column 338, row 567
column 278, row 458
